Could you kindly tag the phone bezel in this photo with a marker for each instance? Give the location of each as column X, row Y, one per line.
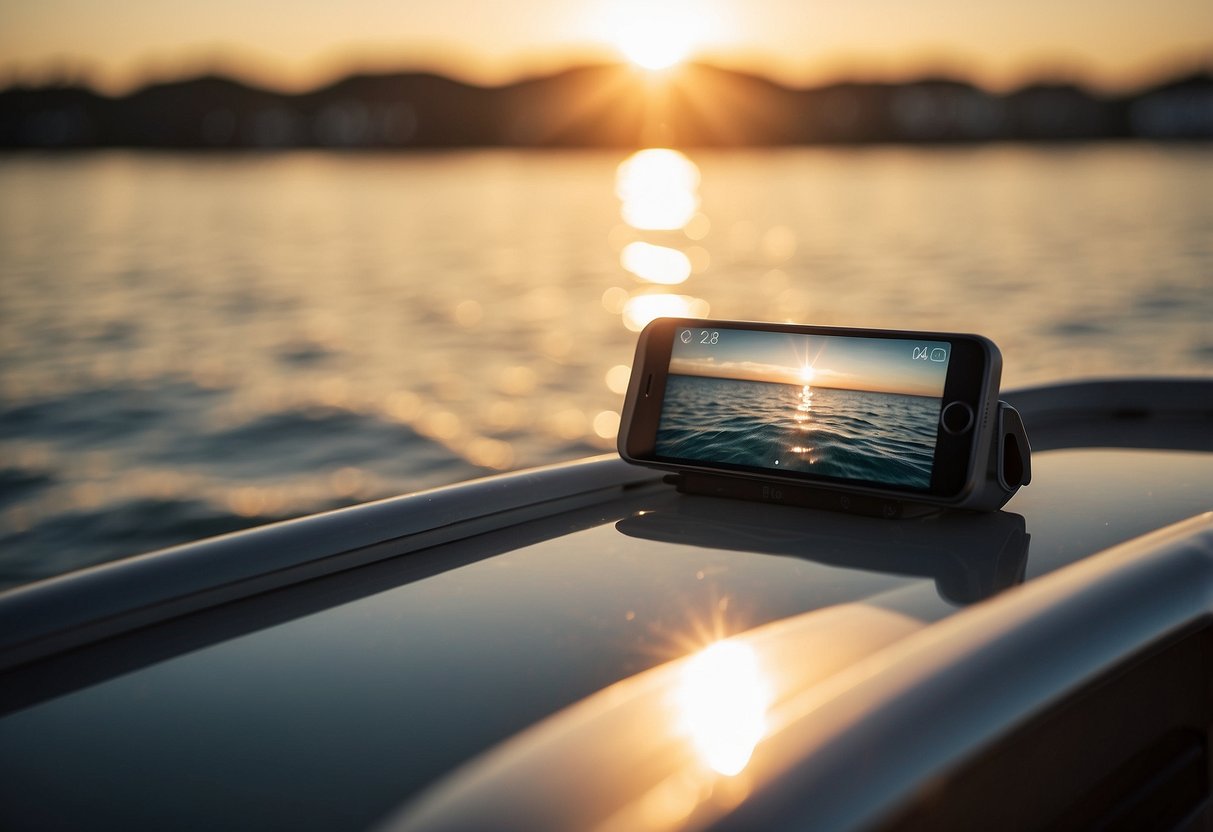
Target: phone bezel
column 974, row 369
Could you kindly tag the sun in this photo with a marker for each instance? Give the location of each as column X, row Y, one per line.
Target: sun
column 807, row 373
column 655, row 35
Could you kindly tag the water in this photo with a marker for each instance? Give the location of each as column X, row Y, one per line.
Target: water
column 195, row 343
column 884, row 438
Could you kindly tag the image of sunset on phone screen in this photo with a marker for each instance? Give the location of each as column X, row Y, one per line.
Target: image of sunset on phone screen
column 864, row 409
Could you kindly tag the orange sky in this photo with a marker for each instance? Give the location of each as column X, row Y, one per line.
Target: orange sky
column 299, row 43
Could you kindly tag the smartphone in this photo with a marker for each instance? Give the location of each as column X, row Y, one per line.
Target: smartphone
column 893, row 414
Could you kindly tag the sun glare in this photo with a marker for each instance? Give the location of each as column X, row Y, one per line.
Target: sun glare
column 654, row 35
column 807, row 373
column 723, row 702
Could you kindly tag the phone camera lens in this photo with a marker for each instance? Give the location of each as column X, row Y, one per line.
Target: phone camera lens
column 956, row 417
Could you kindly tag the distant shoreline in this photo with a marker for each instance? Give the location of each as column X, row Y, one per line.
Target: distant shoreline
column 603, row 106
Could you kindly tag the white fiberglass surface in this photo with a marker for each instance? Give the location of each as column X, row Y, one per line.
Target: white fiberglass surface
column 333, row 717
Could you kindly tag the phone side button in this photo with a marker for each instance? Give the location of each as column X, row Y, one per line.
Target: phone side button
column 956, row 418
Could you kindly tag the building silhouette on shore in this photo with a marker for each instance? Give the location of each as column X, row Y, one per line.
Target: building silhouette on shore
column 593, row 106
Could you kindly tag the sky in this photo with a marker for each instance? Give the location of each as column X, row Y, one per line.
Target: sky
column 296, row 44
column 882, row 365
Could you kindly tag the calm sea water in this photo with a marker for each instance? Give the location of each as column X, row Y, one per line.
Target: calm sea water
column 195, row 343
column 879, row 437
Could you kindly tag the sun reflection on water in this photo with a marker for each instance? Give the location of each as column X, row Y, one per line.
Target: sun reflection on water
column 659, row 189
column 722, row 703
column 804, row 406
column 641, row 309
column 656, row 264
column 803, row 413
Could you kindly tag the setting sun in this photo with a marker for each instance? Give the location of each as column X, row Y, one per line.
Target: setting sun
column 655, row 36
column 807, row 373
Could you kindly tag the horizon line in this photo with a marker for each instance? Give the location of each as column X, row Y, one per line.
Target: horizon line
column 814, row 385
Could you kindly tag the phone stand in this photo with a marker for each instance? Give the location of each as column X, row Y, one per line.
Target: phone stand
column 1008, row 466
column 1010, row 463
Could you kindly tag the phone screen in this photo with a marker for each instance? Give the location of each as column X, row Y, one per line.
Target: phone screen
column 848, row 408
